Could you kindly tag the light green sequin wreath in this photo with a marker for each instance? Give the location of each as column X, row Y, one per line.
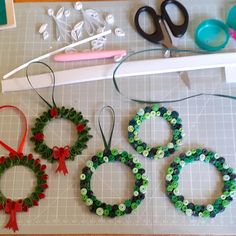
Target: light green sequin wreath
column 158, row 152
column 189, row 208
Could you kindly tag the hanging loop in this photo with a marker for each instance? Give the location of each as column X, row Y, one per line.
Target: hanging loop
column 22, row 142
column 107, row 145
column 161, row 101
column 53, row 87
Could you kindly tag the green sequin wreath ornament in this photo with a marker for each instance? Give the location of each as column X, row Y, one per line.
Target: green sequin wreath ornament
column 16, row 158
column 158, row 152
column 60, row 154
column 112, row 155
column 189, row 208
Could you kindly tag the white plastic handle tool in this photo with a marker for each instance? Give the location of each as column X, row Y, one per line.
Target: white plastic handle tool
column 65, row 57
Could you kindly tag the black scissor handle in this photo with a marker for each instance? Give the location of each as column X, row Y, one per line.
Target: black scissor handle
column 176, row 30
column 157, row 35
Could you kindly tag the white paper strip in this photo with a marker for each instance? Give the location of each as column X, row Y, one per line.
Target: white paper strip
column 134, row 68
column 56, row 51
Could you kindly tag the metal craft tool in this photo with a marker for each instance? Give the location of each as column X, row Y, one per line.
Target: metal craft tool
column 161, row 22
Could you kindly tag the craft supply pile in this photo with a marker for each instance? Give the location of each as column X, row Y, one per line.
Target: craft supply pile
column 93, row 27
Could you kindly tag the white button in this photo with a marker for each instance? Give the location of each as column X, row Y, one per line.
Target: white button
column 78, row 6
column 119, row 32
column 110, row 19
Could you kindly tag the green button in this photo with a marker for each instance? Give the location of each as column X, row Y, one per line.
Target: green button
column 128, row 203
column 114, row 152
column 225, row 203
column 206, row 214
column 155, row 107
column 170, row 171
column 106, row 212
column 118, row 213
column 134, row 205
column 140, row 149
column 178, row 204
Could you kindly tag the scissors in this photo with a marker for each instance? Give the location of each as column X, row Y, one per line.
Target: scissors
column 161, row 34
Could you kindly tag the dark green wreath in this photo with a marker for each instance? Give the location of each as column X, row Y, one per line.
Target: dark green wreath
column 59, row 153
column 126, row 207
column 112, row 155
column 189, row 208
column 10, row 206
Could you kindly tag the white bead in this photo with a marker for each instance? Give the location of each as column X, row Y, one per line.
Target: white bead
column 136, row 193
column 176, row 192
column 89, row 163
column 217, row 156
column 223, row 197
column 119, row 32
column 82, row 176
column 189, row 212
column 168, row 177
column 122, row 207
column 182, row 163
column 226, row 177
column 143, row 189
column 225, row 166
column 186, row 202
column 202, row 157
column 144, row 176
column 170, row 145
column 83, row 191
column 210, row 207
column 110, row 19
column 89, row 202
column 105, row 159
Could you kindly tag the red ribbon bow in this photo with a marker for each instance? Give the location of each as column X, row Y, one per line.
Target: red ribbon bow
column 61, row 154
column 11, row 208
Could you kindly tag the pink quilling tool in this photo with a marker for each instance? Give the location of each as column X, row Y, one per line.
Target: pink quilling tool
column 92, row 55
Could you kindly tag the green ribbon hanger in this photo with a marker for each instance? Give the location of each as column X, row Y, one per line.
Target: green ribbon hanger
column 164, row 101
column 107, row 145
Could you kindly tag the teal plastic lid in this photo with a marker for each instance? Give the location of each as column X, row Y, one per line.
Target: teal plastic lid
column 212, row 35
column 231, row 19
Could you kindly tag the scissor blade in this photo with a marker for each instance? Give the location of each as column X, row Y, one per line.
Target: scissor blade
column 184, row 77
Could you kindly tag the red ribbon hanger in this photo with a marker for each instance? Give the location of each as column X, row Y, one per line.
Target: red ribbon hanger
column 22, row 142
column 12, row 207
